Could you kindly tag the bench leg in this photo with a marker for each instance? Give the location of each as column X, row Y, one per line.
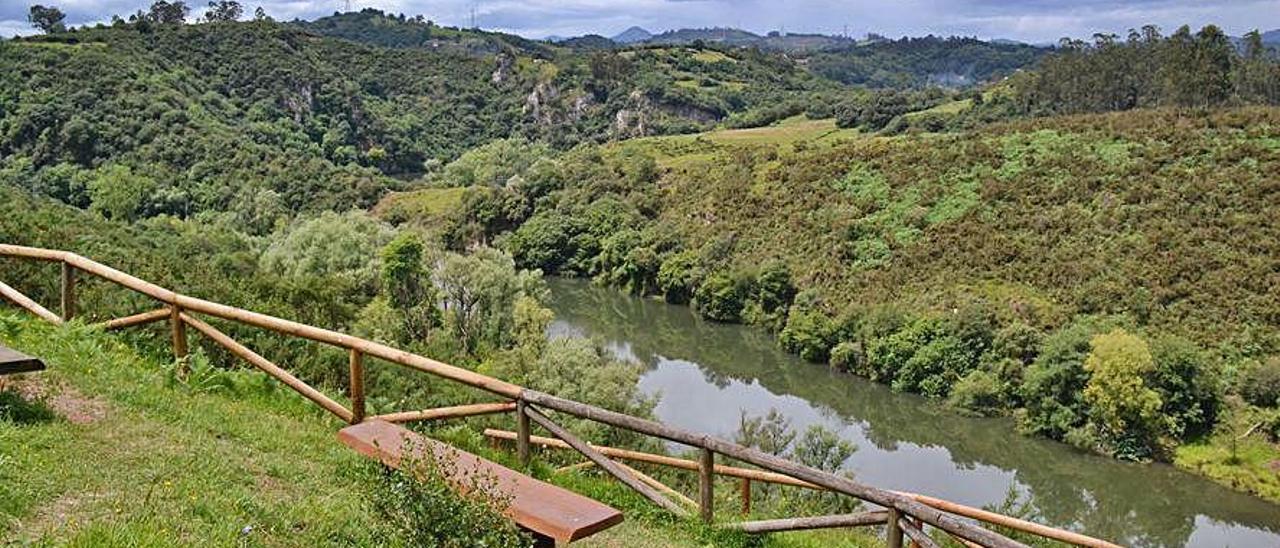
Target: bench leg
column 542, row 541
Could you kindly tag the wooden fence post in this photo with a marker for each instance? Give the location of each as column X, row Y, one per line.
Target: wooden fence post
column 746, row 496
column 522, row 433
column 706, row 484
column 179, row 329
column 357, row 386
column 68, row 292
column 893, row 530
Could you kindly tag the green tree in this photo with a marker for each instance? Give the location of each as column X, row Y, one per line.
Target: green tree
column 479, row 293
column 47, row 18
column 168, row 13
column 342, row 245
column 407, row 285
column 118, row 193
column 1122, row 407
column 224, row 10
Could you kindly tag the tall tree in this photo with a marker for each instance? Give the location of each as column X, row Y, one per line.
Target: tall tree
column 171, row 13
column 224, row 10
column 47, row 19
column 1213, row 56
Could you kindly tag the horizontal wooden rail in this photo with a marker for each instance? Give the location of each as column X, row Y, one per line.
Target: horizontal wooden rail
column 874, row 517
column 1012, row 522
column 673, row 462
column 134, row 320
column 377, row 350
column 26, row 302
column 266, row 366
column 181, row 307
column 456, row 411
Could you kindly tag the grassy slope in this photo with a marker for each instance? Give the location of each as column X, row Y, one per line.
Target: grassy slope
column 164, row 463
column 1146, row 212
column 1150, row 213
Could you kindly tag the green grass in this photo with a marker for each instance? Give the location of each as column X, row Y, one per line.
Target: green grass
column 427, row 205
column 711, row 56
column 164, row 464
column 227, row 457
column 677, row 151
column 1254, row 467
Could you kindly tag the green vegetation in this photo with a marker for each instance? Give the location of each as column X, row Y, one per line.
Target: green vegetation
column 1106, row 278
column 977, row 268
column 921, row 62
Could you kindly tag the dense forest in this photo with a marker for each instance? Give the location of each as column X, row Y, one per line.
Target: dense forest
column 1086, row 245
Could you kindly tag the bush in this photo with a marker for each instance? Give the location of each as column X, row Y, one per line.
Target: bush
column 1260, row 384
column 678, row 275
column 849, row 356
column 1188, row 386
column 1123, row 410
column 980, row 392
column 422, row 508
column 722, row 296
column 1053, row 384
column 547, row 241
column 809, row 333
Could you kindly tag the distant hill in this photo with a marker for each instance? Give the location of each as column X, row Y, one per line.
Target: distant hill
column 1271, row 37
column 373, row 27
column 632, row 35
column 717, row 35
column 931, row 60
column 589, row 41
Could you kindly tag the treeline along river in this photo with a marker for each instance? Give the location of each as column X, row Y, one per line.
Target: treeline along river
column 707, row 374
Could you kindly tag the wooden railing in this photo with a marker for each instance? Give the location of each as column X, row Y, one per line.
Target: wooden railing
column 904, row 516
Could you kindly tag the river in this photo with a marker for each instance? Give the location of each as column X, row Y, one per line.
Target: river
column 707, row 374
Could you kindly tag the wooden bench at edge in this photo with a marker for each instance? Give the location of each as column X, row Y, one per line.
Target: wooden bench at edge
column 13, row 362
column 552, row 512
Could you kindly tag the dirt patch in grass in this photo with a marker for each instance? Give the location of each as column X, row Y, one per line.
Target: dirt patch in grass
column 65, row 401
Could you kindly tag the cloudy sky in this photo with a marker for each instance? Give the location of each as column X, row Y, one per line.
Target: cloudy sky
column 1027, row 20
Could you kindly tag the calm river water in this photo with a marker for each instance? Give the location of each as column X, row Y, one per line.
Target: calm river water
column 707, row 374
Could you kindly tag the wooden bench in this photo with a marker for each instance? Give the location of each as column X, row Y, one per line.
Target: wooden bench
column 553, row 514
column 13, row 362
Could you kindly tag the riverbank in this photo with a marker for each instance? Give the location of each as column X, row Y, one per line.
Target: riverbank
column 707, row 373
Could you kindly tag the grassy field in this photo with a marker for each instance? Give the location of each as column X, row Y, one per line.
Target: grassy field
column 111, row 447
column 785, row 136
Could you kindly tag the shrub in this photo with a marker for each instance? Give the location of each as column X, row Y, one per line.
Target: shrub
column 935, row 366
column 980, row 392
column 1260, row 384
column 849, row 356
column 547, row 241
column 678, row 275
column 1123, row 409
column 823, row 449
column 809, row 333
column 1188, row 386
column 722, row 296
column 1053, row 384
column 422, row 508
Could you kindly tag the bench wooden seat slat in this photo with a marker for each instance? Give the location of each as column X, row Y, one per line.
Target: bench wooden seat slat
column 543, row 508
column 12, row 362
